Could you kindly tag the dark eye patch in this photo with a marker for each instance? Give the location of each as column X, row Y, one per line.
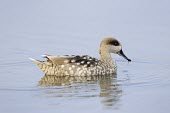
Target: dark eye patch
column 114, row 42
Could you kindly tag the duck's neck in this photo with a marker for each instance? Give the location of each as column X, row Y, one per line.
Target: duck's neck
column 105, row 56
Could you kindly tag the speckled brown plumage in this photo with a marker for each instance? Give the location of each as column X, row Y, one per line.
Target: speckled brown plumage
column 83, row 65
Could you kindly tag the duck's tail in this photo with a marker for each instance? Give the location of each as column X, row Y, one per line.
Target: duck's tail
column 43, row 66
column 40, row 64
column 36, row 61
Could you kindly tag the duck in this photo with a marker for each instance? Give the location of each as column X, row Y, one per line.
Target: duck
column 84, row 65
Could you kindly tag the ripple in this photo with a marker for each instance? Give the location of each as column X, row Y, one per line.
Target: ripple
column 144, row 74
column 14, row 63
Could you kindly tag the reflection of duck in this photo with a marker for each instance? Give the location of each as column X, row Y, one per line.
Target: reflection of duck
column 83, row 65
column 109, row 90
column 52, row 80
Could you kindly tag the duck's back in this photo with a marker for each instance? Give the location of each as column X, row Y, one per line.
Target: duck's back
column 73, row 65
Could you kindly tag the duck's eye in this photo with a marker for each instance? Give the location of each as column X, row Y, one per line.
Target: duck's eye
column 115, row 43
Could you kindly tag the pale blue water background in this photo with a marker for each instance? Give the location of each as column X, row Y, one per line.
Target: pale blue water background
column 58, row 27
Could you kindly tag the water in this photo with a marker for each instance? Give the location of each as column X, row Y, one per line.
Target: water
column 32, row 28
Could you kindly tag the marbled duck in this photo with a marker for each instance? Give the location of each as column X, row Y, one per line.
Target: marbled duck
column 83, row 65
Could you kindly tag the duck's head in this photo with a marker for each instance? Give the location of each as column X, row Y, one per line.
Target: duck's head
column 112, row 45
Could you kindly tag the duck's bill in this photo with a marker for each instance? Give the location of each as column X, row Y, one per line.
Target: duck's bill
column 123, row 55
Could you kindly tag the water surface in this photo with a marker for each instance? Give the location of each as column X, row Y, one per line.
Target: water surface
column 32, row 28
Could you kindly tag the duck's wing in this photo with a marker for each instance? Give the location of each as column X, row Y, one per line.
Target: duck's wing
column 73, row 59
